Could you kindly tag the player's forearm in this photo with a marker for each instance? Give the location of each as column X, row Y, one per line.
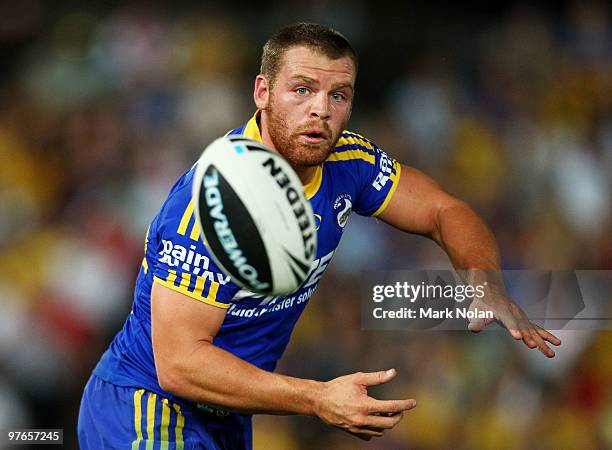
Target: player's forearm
column 470, row 245
column 466, row 238
column 216, row 377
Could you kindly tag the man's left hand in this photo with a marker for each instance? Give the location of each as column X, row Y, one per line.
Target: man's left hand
column 514, row 319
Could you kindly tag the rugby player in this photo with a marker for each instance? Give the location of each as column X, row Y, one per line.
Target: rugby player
column 196, row 356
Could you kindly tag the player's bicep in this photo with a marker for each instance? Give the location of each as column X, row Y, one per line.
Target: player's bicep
column 417, row 203
column 182, row 317
column 179, row 325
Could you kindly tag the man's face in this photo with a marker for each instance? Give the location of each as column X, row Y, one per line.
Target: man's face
column 309, row 105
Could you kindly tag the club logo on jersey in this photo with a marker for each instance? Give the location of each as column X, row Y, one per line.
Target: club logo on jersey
column 188, row 260
column 343, row 207
column 318, row 220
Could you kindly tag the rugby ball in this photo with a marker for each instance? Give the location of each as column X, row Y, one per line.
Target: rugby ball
column 254, row 217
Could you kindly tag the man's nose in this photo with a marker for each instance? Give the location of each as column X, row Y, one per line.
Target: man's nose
column 320, row 107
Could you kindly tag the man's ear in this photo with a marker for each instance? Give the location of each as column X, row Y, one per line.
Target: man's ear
column 261, row 93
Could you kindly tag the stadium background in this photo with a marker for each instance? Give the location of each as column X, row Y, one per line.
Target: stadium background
column 102, row 107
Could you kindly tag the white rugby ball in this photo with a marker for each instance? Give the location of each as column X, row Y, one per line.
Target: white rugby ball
column 255, row 219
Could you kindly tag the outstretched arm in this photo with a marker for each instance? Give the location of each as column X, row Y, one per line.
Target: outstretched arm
column 421, row 206
column 189, row 365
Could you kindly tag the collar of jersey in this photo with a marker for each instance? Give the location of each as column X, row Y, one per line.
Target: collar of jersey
column 251, row 130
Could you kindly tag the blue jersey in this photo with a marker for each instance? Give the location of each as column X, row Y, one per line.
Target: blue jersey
column 357, row 176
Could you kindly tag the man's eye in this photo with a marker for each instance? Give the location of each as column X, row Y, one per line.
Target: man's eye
column 338, row 97
column 302, row 91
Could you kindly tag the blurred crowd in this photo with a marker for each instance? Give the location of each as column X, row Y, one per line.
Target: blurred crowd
column 101, row 109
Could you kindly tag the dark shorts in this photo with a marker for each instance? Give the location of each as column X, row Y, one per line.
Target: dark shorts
column 116, row 417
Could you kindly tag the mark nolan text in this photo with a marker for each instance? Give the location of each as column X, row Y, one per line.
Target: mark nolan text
column 432, row 313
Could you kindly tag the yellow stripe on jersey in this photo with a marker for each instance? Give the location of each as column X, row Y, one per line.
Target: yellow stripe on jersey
column 353, row 139
column 212, row 292
column 348, row 155
column 251, row 130
column 145, row 264
column 137, row 418
column 394, row 177
column 165, row 424
column 178, row 430
column 199, row 287
column 210, row 299
column 314, row 184
column 151, row 420
column 195, row 231
column 171, row 278
column 186, row 220
column 185, row 281
column 182, row 229
column 355, row 135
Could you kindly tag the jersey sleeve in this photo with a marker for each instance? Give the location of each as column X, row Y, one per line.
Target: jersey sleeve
column 181, row 261
column 378, row 177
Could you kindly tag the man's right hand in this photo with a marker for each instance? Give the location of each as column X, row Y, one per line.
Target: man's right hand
column 344, row 403
column 190, row 366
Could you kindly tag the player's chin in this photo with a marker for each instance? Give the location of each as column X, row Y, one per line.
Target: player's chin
column 312, row 154
column 315, row 159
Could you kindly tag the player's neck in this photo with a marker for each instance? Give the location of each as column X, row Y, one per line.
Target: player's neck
column 306, row 173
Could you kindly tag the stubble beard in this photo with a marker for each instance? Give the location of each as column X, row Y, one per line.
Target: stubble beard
column 298, row 154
